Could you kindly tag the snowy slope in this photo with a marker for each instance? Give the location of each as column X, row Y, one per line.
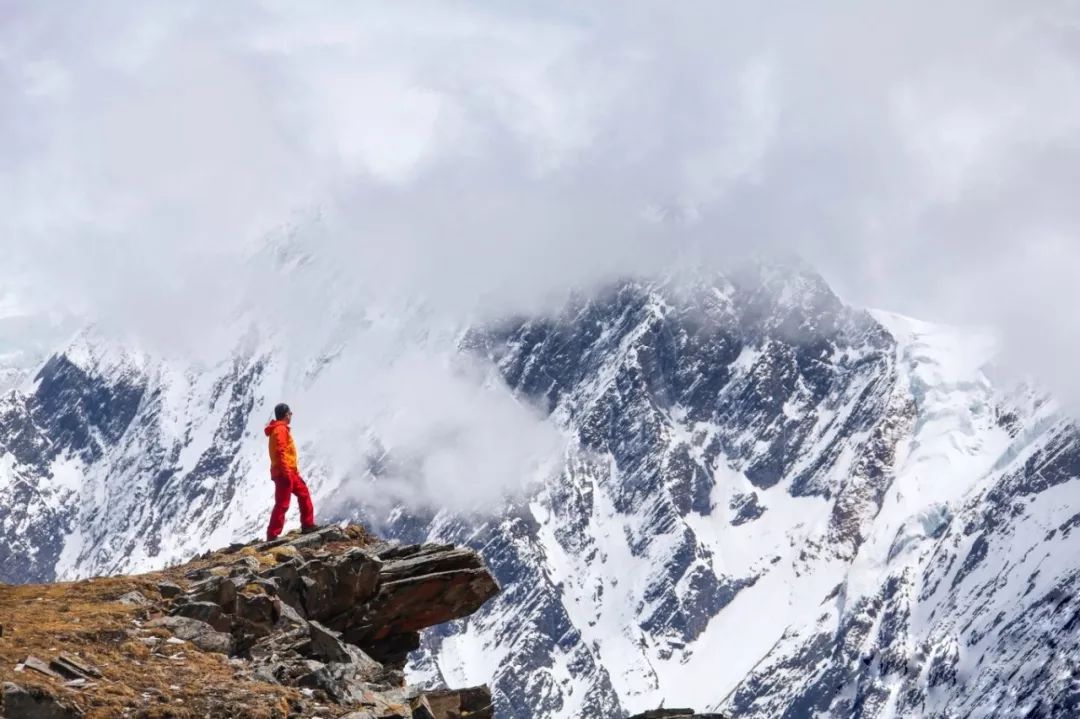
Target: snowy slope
column 884, row 431
column 763, row 500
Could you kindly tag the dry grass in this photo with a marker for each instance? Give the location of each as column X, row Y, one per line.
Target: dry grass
column 139, row 679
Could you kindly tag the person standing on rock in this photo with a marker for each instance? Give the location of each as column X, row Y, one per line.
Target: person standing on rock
column 286, row 476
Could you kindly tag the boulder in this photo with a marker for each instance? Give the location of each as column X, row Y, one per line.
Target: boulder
column 73, row 668
column 218, row 590
column 134, row 599
column 168, row 590
column 420, row 586
column 423, row 599
column 41, row 667
column 344, row 682
column 258, row 609
column 33, row 703
column 474, row 703
column 287, row 616
column 286, row 580
column 208, row 612
column 325, row 644
column 334, row 586
column 199, row 633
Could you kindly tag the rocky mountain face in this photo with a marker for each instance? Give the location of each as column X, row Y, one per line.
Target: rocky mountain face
column 771, row 504
column 675, row 714
column 304, row 626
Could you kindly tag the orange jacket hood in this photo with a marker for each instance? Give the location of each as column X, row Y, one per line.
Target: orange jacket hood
column 282, row 448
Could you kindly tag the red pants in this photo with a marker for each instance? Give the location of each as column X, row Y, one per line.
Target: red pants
column 286, row 485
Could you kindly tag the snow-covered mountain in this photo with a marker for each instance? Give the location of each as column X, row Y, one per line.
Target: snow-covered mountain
column 768, row 502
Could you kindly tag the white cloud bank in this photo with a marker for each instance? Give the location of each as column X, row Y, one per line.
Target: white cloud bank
column 485, row 156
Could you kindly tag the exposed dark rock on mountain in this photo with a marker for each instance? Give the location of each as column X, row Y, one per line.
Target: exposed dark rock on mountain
column 676, row 714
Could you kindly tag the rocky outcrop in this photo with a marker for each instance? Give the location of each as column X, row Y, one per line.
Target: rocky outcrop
column 330, row 615
column 34, row 703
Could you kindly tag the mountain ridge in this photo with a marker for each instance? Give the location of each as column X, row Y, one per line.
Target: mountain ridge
column 752, row 470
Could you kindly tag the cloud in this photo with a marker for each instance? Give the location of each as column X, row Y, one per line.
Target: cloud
column 486, row 156
column 434, row 434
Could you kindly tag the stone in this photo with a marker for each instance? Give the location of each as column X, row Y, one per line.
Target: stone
column 266, row 673
column 325, row 644
column 473, row 702
column 37, row 665
column 332, row 587
column 134, row 599
column 429, row 562
column 256, row 617
column 423, row 600
column 333, row 533
column 387, row 705
column 387, row 551
column 71, row 667
column 197, row 575
column 264, row 546
column 33, row 703
column 344, row 682
column 168, row 590
column 204, row 612
column 245, row 564
column 259, row 609
column 218, row 590
column 306, row 541
column 288, row 617
column 199, row 633
column 286, row 577
column 318, row 582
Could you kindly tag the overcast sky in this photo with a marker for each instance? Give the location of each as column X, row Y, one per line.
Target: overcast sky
column 923, row 155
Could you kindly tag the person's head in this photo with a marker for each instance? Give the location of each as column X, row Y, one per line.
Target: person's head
column 283, row 413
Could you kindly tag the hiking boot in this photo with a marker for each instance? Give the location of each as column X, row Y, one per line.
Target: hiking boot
column 309, row 530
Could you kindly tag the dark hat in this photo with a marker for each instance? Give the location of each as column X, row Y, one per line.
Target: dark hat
column 281, row 410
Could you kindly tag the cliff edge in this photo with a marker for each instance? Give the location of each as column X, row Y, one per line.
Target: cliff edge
column 308, row 625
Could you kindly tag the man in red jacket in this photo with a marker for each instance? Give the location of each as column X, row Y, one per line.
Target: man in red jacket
column 283, row 471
